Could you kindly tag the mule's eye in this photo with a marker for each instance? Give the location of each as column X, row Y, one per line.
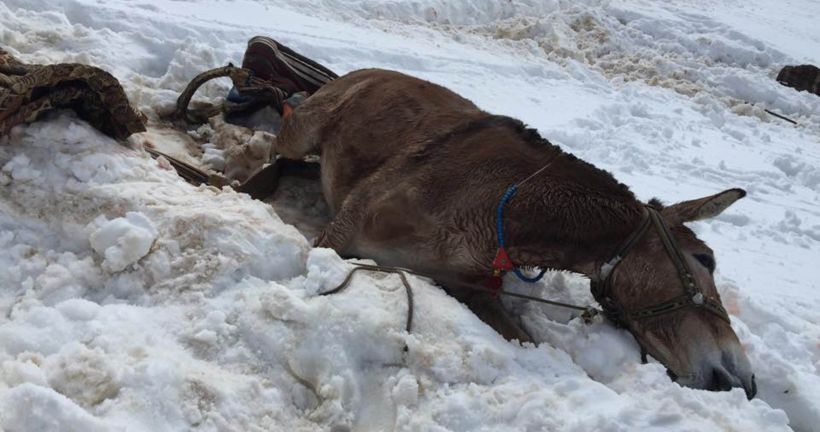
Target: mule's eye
column 707, row 260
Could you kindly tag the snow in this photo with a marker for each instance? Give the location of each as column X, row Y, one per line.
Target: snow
column 133, row 301
column 123, row 241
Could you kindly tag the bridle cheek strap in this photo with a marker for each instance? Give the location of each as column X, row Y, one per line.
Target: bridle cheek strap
column 692, row 295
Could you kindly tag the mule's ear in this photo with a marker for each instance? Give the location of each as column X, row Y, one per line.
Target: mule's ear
column 703, row 208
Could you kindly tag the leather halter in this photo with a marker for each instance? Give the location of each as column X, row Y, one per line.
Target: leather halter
column 692, row 295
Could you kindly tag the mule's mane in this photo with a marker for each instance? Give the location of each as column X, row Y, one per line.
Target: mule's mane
column 597, row 177
column 591, row 172
column 572, row 201
column 591, row 205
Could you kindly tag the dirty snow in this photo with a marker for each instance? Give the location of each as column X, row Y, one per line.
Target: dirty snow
column 130, row 300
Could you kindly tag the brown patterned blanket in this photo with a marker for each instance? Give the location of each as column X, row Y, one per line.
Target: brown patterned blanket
column 28, row 91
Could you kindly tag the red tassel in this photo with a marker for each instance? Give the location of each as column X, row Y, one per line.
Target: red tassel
column 502, row 261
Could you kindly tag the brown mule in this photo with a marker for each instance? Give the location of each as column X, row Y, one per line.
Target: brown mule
column 414, row 172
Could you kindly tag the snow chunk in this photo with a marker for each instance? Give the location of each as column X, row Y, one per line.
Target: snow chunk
column 25, row 369
column 19, row 168
column 86, row 376
column 326, row 270
column 406, row 390
column 78, row 309
column 123, row 241
column 29, row 407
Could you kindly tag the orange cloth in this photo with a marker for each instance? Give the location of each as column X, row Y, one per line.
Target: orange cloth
column 287, row 110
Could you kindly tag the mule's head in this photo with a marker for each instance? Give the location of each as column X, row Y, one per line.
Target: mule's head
column 691, row 336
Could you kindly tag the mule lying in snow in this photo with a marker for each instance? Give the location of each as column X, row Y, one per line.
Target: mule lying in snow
column 417, row 183
column 414, row 173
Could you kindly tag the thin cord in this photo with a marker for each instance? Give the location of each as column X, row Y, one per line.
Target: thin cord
column 535, row 173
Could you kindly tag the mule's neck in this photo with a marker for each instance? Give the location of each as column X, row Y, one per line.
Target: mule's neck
column 571, row 217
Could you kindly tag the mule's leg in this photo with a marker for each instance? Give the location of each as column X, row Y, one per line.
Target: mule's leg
column 336, row 235
column 377, row 225
column 339, row 233
column 490, row 310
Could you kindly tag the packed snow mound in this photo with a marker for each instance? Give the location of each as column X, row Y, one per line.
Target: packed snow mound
column 132, row 300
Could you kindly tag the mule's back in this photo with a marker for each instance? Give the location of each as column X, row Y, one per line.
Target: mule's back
column 368, row 117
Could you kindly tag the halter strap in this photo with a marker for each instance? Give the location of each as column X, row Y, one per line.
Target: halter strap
column 626, row 246
column 691, row 297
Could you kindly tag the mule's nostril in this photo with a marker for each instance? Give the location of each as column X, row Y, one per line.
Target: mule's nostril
column 751, row 391
column 722, row 381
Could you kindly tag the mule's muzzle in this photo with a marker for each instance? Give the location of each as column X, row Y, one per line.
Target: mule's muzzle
column 720, row 376
column 723, row 380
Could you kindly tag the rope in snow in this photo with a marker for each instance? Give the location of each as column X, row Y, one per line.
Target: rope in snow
column 588, row 312
column 384, row 269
